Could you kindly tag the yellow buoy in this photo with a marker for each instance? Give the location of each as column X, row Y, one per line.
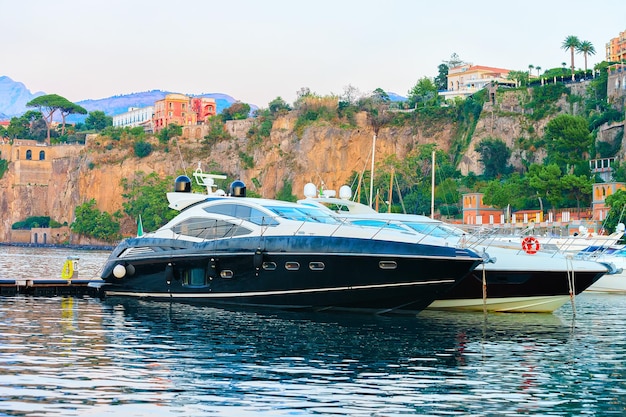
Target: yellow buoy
column 68, row 269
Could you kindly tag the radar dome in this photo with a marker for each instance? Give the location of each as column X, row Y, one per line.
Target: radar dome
column 310, row 190
column 345, row 192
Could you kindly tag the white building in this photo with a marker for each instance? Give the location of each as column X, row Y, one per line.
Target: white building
column 135, row 116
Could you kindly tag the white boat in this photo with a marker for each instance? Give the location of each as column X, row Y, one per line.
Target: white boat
column 509, row 280
column 565, row 244
column 613, row 283
column 235, row 250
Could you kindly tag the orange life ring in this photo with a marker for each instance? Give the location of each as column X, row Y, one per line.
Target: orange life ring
column 530, row 245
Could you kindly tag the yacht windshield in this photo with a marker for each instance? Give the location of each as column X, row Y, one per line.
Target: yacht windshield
column 304, row 214
column 435, row 229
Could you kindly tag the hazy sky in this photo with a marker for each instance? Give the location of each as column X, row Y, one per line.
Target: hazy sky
column 257, row 50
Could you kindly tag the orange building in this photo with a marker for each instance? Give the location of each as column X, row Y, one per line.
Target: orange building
column 182, row 110
column 600, row 192
column 616, row 49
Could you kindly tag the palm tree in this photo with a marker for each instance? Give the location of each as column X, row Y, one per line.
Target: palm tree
column 571, row 43
column 538, row 68
column 586, row 48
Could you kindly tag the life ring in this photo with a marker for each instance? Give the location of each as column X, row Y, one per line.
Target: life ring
column 68, row 269
column 530, row 245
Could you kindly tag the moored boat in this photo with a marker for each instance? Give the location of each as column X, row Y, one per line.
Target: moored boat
column 509, row 280
column 235, row 250
column 610, row 283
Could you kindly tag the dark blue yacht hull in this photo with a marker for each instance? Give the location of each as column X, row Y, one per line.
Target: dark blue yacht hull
column 288, row 272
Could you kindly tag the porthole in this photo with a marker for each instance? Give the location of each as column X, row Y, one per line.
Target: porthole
column 269, row 266
column 226, row 273
column 387, row 264
column 316, row 266
column 292, row 266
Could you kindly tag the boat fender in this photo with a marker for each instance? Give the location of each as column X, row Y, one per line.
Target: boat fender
column 68, row 269
column 530, row 245
column 169, row 273
column 257, row 260
column 119, row 271
column 130, row 269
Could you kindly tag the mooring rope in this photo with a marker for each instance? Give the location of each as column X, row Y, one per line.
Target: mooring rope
column 484, row 291
column 570, row 281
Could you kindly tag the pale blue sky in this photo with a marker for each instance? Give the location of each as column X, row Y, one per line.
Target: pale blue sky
column 256, row 50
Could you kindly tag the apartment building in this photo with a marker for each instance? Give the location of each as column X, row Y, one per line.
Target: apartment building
column 182, row 110
column 616, row 48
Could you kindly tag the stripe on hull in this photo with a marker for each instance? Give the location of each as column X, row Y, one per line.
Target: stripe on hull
column 539, row 304
column 273, row 293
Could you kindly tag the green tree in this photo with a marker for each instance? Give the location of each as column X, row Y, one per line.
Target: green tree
column 381, row 95
column 572, row 43
column 90, row 221
column 546, row 181
column 67, row 109
column 494, row 155
column 441, row 80
column 98, row 121
column 142, row 148
column 577, row 187
column 145, row 196
column 513, row 192
column 21, row 127
column 565, row 137
column 168, row 132
column 617, row 203
column 424, row 93
column 236, row 111
column 48, row 105
column 586, row 48
column 278, row 106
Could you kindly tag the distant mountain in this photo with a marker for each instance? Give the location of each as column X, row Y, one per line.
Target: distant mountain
column 14, row 96
column 396, row 97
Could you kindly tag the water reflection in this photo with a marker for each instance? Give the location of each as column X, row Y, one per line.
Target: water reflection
column 80, row 356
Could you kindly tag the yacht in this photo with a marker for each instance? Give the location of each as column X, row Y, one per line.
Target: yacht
column 232, row 250
column 510, row 278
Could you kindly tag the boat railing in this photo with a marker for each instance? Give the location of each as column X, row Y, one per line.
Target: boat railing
column 204, row 229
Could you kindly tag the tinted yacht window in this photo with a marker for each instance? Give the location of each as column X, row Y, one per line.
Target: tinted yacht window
column 239, row 211
column 209, row 228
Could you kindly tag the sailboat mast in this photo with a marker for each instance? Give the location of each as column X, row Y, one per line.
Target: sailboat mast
column 372, row 171
column 432, row 189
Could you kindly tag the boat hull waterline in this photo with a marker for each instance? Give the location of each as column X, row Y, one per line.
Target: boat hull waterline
column 316, row 273
column 521, row 291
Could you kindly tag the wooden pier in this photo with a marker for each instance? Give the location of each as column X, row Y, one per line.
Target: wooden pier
column 50, row 287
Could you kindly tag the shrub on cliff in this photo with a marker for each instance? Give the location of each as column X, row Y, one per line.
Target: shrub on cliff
column 142, row 149
column 92, row 222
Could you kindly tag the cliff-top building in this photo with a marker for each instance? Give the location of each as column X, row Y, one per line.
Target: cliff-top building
column 616, row 48
column 467, row 79
column 135, row 116
column 182, row 110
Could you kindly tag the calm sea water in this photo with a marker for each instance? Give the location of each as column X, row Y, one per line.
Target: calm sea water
column 89, row 357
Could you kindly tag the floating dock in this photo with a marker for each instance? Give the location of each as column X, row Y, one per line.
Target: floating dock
column 50, row 287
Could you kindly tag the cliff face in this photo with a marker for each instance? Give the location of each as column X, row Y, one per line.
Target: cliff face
column 70, row 175
column 73, row 174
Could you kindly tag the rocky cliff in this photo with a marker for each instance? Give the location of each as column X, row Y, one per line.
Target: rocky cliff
column 73, row 174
